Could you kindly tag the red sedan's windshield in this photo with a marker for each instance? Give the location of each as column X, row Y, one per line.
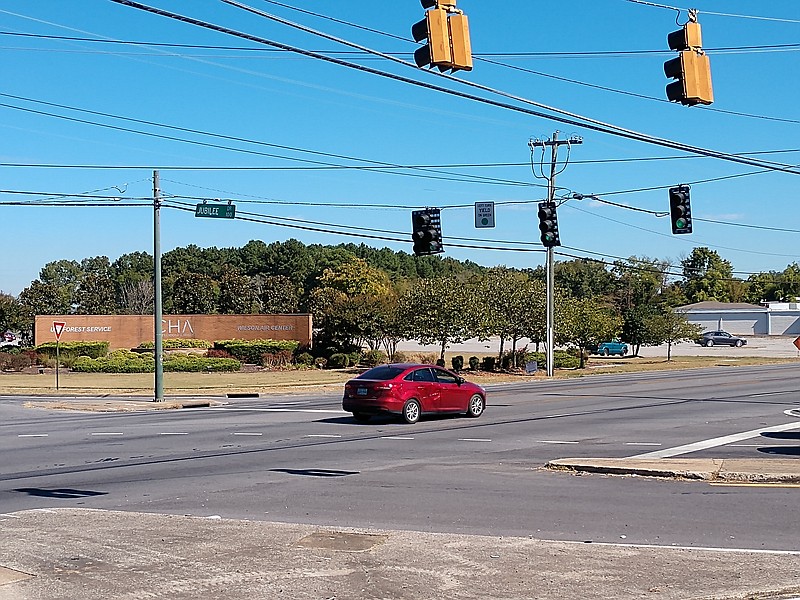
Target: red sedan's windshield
column 382, row 373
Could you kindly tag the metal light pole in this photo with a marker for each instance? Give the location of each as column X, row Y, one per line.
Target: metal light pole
column 158, row 340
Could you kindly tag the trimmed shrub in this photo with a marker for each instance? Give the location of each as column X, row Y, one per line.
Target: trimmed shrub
column 338, row 361
column 320, row 362
column 125, row 361
column 474, row 361
column 178, row 344
column 440, row 362
column 562, row 359
column 373, row 358
column 251, row 351
column 212, row 353
column 304, row 359
column 196, row 364
column 458, row 363
column 488, row 363
column 353, row 358
column 73, row 349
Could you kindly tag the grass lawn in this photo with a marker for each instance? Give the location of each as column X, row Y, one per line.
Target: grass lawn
column 265, row 382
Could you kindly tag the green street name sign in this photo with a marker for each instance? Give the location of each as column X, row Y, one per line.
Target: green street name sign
column 217, row 211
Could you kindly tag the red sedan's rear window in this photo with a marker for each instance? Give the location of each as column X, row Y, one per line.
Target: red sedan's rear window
column 382, row 373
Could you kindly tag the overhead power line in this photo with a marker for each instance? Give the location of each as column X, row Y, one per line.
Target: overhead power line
column 560, row 116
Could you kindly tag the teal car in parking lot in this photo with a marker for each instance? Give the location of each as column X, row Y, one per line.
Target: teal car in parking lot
column 615, row 347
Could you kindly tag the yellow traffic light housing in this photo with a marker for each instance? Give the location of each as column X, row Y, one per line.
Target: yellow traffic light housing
column 433, row 30
column 445, row 32
column 691, row 69
column 693, row 73
column 460, row 42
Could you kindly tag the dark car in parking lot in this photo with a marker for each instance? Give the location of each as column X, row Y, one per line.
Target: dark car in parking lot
column 411, row 390
column 720, row 338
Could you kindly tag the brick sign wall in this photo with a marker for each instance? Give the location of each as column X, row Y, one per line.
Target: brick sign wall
column 128, row 331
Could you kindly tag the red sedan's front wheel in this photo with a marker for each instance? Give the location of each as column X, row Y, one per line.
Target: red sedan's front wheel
column 475, row 406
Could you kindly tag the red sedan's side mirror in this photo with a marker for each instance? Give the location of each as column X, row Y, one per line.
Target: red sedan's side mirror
column 460, row 380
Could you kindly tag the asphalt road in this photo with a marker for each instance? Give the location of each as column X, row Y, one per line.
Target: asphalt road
column 301, row 460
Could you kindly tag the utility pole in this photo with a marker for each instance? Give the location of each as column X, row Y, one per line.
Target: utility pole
column 553, row 143
column 158, row 341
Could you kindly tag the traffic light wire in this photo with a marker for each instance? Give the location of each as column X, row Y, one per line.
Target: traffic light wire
column 561, row 116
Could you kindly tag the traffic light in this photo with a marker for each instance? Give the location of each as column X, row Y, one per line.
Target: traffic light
column 691, row 68
column 548, row 224
column 427, row 231
column 445, row 32
column 680, row 210
column 434, row 31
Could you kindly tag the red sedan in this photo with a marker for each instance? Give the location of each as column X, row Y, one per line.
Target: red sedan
column 411, row 390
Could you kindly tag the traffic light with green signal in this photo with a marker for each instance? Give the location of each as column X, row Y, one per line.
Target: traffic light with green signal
column 548, row 224
column 427, row 231
column 680, row 210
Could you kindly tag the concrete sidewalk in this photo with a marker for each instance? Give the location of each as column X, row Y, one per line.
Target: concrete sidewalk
column 78, row 554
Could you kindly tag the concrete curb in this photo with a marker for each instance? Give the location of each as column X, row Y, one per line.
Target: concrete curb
column 700, row 469
column 97, row 405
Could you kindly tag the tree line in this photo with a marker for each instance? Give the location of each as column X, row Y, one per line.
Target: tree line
column 362, row 296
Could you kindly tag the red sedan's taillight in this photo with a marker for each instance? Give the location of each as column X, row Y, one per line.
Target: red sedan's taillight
column 383, row 387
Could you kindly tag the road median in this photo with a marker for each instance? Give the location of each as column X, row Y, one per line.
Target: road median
column 760, row 470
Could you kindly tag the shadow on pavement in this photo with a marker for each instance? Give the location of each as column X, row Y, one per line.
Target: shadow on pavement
column 781, row 450
column 61, row 493
column 782, row 435
column 316, row 472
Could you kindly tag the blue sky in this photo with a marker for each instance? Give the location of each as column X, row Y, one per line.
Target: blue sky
column 295, row 102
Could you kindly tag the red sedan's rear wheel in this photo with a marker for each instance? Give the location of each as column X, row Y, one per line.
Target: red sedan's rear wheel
column 411, row 412
column 476, row 406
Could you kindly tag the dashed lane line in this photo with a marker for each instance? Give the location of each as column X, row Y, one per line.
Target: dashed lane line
column 474, row 440
column 555, row 442
column 250, row 433
column 106, row 433
column 396, row 437
column 33, row 435
column 323, row 435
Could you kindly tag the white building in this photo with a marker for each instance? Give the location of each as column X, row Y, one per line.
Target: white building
column 740, row 318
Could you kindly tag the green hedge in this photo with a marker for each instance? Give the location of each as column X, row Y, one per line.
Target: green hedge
column 74, row 349
column 251, row 351
column 562, row 359
column 125, row 361
column 178, row 343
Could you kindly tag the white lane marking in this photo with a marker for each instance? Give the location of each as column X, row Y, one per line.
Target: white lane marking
column 290, row 410
column 642, row 444
column 555, row 442
column 715, row 442
column 172, row 433
column 396, row 437
column 27, row 435
column 247, row 433
column 770, row 394
column 106, row 433
column 323, row 435
column 696, row 548
column 474, row 440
